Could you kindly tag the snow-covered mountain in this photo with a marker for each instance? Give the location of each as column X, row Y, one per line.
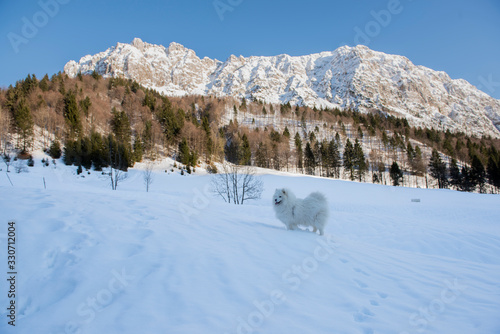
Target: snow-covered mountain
column 354, row 77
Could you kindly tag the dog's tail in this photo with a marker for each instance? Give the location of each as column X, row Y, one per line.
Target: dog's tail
column 317, row 196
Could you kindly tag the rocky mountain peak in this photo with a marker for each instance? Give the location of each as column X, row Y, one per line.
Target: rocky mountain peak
column 348, row 77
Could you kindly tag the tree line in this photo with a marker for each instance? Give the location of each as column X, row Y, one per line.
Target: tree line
column 116, row 122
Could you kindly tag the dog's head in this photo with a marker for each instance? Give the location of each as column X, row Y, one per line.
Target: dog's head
column 280, row 195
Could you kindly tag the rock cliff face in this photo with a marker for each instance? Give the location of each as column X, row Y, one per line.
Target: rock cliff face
column 354, row 77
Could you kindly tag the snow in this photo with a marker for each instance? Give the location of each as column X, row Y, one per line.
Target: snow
column 348, row 77
column 178, row 260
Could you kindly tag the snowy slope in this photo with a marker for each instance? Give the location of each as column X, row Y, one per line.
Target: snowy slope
column 93, row 260
column 354, row 77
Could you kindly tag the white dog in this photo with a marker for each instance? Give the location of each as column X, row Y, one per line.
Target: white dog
column 292, row 211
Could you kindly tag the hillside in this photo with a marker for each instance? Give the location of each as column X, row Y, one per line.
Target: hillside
column 100, row 121
column 176, row 260
column 354, row 78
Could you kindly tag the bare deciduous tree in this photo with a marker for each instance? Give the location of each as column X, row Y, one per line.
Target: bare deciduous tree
column 147, row 175
column 7, row 159
column 236, row 184
column 116, row 176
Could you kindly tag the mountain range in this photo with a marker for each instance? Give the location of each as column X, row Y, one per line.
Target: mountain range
column 348, row 77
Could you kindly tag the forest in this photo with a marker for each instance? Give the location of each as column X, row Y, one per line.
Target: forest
column 95, row 123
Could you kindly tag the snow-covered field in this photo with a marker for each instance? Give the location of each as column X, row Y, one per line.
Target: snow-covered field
column 178, row 260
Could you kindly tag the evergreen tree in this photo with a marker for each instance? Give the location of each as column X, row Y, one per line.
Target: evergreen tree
column 245, row 152
column 85, row 105
column 184, row 152
column 121, row 127
column 298, row 147
column 68, row 153
column 24, row 123
column 337, row 138
column 44, row 83
column 438, row 169
column 55, row 150
column 232, row 150
column 309, row 159
column 99, row 153
column 349, row 159
column 243, row 105
column 325, row 158
column 410, row 153
column 96, row 75
column 455, row 175
column 466, row 183
column 493, row 172
column 286, row 133
column 147, row 136
column 478, row 174
column 261, row 156
column 86, row 152
column 396, row 174
column 171, row 122
column 334, row 159
column 72, row 116
column 359, row 160
column 119, row 156
column 138, row 149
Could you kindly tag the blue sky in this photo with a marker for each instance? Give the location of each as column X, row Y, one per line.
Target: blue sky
column 460, row 37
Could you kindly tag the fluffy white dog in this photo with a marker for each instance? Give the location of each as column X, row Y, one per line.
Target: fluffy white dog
column 293, row 211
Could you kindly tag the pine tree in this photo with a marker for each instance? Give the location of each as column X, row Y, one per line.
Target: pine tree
column 99, row 151
column 286, row 133
column 334, row 158
column 309, row 159
column 261, row 156
column 325, row 158
column 438, row 169
column 86, row 152
column 55, row 150
column 493, row 171
column 138, row 149
column 466, row 183
column 72, row 116
column 24, row 123
column 245, row 152
column 298, row 147
column 349, row 159
column 44, row 83
column 359, row 160
column 147, row 136
column 455, row 175
column 243, row 105
column 121, row 126
column 396, row 174
column 184, row 152
column 232, row 150
column 85, row 105
column 478, row 174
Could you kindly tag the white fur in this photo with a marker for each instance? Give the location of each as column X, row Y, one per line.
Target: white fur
column 292, row 211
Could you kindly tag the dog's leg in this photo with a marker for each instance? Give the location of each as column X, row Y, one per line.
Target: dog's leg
column 321, row 231
column 314, row 229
